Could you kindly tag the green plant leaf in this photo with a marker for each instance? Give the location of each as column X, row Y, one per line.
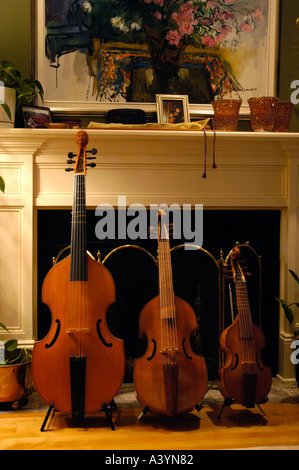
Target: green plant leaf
column 2, row 188
column 287, row 310
column 39, row 88
column 6, row 109
column 11, row 345
column 9, row 74
column 4, row 327
column 294, row 275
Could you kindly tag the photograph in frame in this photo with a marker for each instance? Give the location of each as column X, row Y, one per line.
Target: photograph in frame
column 172, row 109
column 87, row 64
column 36, row 117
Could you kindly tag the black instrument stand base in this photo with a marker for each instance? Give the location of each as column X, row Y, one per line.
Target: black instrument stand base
column 143, row 412
column 107, row 409
column 230, row 401
column 108, row 412
column 198, row 408
column 227, row 402
column 50, row 409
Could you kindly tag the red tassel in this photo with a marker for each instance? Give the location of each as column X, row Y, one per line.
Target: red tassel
column 205, row 163
column 204, row 175
column 214, row 145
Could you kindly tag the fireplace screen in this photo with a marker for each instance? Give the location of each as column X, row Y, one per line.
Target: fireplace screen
column 199, row 277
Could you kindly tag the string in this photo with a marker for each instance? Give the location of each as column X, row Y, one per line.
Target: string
column 204, row 175
column 245, row 327
column 169, row 341
column 77, row 308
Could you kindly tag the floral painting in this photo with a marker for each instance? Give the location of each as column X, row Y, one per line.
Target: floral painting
column 99, row 51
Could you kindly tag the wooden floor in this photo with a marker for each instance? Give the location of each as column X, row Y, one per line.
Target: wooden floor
column 238, row 428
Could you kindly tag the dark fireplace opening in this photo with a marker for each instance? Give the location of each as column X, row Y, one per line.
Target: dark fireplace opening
column 133, row 266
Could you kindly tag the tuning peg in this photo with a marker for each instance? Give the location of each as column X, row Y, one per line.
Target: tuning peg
column 69, row 169
column 91, row 158
column 92, row 165
column 153, row 232
column 227, row 276
column 93, row 151
column 71, row 155
column 226, row 270
column 226, row 267
column 70, row 161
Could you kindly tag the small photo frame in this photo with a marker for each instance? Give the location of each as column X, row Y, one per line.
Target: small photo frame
column 36, row 117
column 172, row 109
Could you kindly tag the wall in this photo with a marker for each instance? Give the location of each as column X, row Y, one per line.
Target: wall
column 289, row 54
column 15, row 34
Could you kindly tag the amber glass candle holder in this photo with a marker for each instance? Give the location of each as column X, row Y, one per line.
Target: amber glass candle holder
column 226, row 114
column 262, row 113
column 283, row 113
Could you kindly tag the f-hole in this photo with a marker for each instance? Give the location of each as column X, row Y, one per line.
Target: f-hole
column 183, row 344
column 154, row 351
column 55, row 336
column 236, row 363
column 108, row 345
column 258, row 363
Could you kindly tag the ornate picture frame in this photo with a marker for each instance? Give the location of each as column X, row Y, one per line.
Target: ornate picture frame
column 36, row 117
column 172, row 109
column 74, row 75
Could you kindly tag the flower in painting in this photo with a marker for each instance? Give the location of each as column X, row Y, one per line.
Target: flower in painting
column 118, row 22
column 209, row 23
column 135, row 26
column 173, row 37
column 257, row 14
column 246, row 27
column 209, row 42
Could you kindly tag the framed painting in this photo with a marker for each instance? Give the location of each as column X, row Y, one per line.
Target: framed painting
column 36, row 117
column 96, row 55
column 172, row 109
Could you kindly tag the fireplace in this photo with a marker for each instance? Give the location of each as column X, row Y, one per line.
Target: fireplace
column 256, row 179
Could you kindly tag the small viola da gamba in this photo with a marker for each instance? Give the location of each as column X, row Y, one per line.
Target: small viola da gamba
column 243, row 377
column 169, row 378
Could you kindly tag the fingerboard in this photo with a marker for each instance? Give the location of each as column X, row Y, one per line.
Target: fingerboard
column 78, row 269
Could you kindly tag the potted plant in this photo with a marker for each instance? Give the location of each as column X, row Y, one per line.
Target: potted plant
column 288, row 311
column 15, row 370
column 16, row 382
column 15, row 91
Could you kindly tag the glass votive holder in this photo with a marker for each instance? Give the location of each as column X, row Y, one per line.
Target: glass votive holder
column 283, row 113
column 262, row 113
column 226, row 114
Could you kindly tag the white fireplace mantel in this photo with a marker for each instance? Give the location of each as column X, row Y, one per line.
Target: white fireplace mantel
column 254, row 171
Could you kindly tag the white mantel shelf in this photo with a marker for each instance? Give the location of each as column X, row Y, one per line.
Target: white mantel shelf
column 254, row 171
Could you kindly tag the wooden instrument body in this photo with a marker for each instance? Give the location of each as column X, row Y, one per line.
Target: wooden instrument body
column 79, row 367
column 232, row 381
column 105, row 364
column 243, row 377
column 188, row 379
